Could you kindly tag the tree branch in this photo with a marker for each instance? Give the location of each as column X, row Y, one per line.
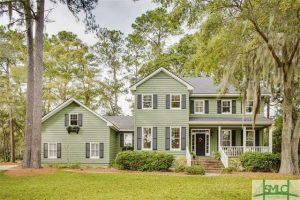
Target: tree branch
column 294, row 50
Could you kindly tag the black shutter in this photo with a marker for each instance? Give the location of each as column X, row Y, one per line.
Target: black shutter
column 192, row 108
column 45, row 150
column 58, row 150
column 121, row 140
column 154, row 138
column 218, row 141
column 80, row 119
column 167, row 138
column 139, row 138
column 206, row 102
column 242, row 136
column 233, row 138
column 219, row 106
column 167, row 101
column 183, row 138
column 101, row 150
column 241, row 106
column 155, row 101
column 257, row 138
column 139, row 101
column 87, row 150
column 233, row 106
column 183, row 101
column 66, row 119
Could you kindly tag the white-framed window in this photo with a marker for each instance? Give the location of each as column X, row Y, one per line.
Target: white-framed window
column 226, row 106
column 226, row 137
column 147, row 138
column 147, row 101
column 199, row 106
column 250, row 138
column 249, row 107
column 94, row 150
column 175, row 138
column 73, row 119
column 52, row 150
column 175, row 101
column 127, row 139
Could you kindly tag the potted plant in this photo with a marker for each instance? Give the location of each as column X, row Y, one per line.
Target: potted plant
column 73, row 129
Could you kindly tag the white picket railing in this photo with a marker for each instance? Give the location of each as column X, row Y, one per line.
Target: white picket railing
column 188, row 157
column 224, row 158
column 258, row 149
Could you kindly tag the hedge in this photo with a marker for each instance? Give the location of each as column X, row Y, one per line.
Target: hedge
column 195, row 170
column 144, row 161
column 260, row 162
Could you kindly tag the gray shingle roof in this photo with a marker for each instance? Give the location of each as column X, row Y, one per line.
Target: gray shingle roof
column 122, row 122
column 206, row 85
column 227, row 119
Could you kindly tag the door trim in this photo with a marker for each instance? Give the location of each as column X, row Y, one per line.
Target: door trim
column 207, row 139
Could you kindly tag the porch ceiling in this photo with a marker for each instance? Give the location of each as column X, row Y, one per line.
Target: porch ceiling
column 247, row 120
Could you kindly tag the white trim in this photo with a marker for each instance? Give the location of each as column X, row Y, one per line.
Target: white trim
column 171, row 107
column 94, row 157
column 151, row 145
column 189, row 87
column 221, row 95
column 226, row 113
column 68, row 102
column 70, row 118
column 143, row 101
column 195, row 106
column 207, row 134
column 179, row 148
column 53, row 157
column 226, row 140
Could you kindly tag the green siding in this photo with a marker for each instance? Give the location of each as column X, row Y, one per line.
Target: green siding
column 73, row 145
column 162, row 84
column 113, row 145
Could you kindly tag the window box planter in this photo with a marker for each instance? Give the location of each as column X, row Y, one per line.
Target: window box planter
column 73, row 129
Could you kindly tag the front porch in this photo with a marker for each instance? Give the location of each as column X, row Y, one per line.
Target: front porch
column 229, row 141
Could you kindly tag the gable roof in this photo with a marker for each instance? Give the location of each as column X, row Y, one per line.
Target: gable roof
column 189, row 87
column 124, row 123
column 68, row 102
column 205, row 86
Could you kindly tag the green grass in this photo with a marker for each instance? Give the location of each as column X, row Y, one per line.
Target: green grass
column 70, row 185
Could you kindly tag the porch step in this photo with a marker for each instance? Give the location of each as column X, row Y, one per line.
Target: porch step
column 210, row 164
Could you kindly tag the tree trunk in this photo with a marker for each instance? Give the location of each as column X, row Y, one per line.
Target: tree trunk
column 287, row 166
column 30, row 86
column 295, row 145
column 38, row 86
column 12, row 137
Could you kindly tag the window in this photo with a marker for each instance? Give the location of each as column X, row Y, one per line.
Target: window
column 127, row 139
column 147, row 101
column 175, row 138
column 175, row 101
column 199, row 106
column 73, row 119
column 52, row 150
column 94, row 150
column 249, row 107
column 250, row 138
column 147, row 138
column 226, row 106
column 226, row 137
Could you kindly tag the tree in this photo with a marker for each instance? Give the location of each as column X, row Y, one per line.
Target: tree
column 110, row 50
column 34, row 13
column 252, row 42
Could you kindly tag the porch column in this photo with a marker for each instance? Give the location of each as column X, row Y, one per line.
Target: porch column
column 244, row 139
column 270, row 139
column 219, row 138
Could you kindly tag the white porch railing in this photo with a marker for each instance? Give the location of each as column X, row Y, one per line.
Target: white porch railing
column 188, row 157
column 235, row 151
column 263, row 149
column 224, row 158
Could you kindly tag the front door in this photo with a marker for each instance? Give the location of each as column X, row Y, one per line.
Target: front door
column 200, row 144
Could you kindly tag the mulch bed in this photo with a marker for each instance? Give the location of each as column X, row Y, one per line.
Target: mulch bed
column 19, row 171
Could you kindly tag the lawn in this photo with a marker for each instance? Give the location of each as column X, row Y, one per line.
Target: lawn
column 73, row 185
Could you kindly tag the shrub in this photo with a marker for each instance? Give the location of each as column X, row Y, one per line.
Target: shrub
column 144, row 161
column 180, row 164
column 260, row 162
column 227, row 170
column 217, row 155
column 195, row 170
column 180, row 168
column 236, row 165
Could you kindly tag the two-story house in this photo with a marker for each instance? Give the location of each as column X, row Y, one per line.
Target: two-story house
column 171, row 114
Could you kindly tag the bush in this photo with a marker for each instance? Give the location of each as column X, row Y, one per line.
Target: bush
column 180, row 168
column 227, row 170
column 144, row 161
column 260, row 162
column 180, row 164
column 195, row 170
column 217, row 155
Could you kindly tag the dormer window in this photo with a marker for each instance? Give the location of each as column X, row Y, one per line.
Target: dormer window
column 226, row 106
column 73, row 120
column 249, row 107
